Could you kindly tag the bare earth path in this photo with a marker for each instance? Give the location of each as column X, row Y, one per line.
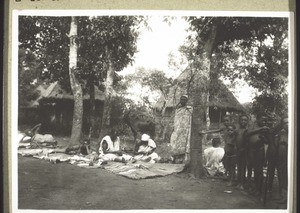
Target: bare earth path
column 43, row 185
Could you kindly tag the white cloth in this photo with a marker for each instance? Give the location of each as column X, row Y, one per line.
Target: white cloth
column 24, row 137
column 111, row 145
column 153, row 157
column 213, row 157
column 47, row 138
column 147, row 149
column 145, row 137
column 108, row 157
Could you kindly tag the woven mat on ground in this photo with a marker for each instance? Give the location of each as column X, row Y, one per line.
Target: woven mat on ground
column 50, row 155
column 54, row 157
column 141, row 170
column 34, row 152
column 137, row 170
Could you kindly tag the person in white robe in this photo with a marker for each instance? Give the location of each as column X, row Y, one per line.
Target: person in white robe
column 109, row 149
column 145, row 151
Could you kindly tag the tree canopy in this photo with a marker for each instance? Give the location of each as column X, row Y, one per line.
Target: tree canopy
column 28, row 72
column 155, row 80
column 104, row 45
column 98, row 37
column 254, row 49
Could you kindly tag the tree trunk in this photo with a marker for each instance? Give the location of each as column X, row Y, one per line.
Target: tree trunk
column 92, row 114
column 75, row 86
column 208, row 47
column 199, row 98
column 105, row 124
column 200, row 104
column 207, row 111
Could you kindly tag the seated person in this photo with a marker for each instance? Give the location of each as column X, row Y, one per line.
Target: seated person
column 145, row 150
column 109, row 149
column 85, row 147
column 214, row 155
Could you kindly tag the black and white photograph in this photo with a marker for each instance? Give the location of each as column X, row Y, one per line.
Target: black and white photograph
column 152, row 110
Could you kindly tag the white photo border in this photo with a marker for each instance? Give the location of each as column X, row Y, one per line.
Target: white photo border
column 14, row 92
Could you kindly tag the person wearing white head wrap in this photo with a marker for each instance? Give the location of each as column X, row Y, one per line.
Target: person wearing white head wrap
column 146, row 150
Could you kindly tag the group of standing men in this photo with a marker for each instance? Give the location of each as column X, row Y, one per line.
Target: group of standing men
column 249, row 150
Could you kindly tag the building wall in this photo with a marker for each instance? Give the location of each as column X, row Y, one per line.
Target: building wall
column 28, row 117
column 57, row 117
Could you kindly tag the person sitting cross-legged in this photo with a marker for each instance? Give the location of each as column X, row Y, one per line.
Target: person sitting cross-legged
column 145, row 150
column 109, row 149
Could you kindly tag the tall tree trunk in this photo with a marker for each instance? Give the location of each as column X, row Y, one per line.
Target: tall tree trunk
column 200, row 104
column 92, row 113
column 208, row 47
column 196, row 166
column 207, row 118
column 75, row 86
column 106, row 124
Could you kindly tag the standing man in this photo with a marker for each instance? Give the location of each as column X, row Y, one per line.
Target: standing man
column 257, row 138
column 283, row 159
column 241, row 151
column 271, row 154
column 180, row 138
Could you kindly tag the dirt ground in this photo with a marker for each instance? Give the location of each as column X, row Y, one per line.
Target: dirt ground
column 43, row 185
column 62, row 186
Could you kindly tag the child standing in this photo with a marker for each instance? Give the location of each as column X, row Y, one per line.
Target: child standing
column 241, row 151
column 230, row 153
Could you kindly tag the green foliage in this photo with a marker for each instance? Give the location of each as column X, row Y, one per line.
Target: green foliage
column 263, row 66
column 99, row 39
column 156, row 80
column 253, row 49
column 118, row 108
column 274, row 104
column 28, row 73
column 229, row 29
column 122, row 107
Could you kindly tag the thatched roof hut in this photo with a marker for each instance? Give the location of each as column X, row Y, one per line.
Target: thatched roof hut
column 56, row 108
column 221, row 102
column 220, row 97
column 55, row 92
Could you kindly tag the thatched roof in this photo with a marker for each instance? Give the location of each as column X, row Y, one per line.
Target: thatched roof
column 224, row 98
column 35, row 103
column 221, row 97
column 55, row 92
